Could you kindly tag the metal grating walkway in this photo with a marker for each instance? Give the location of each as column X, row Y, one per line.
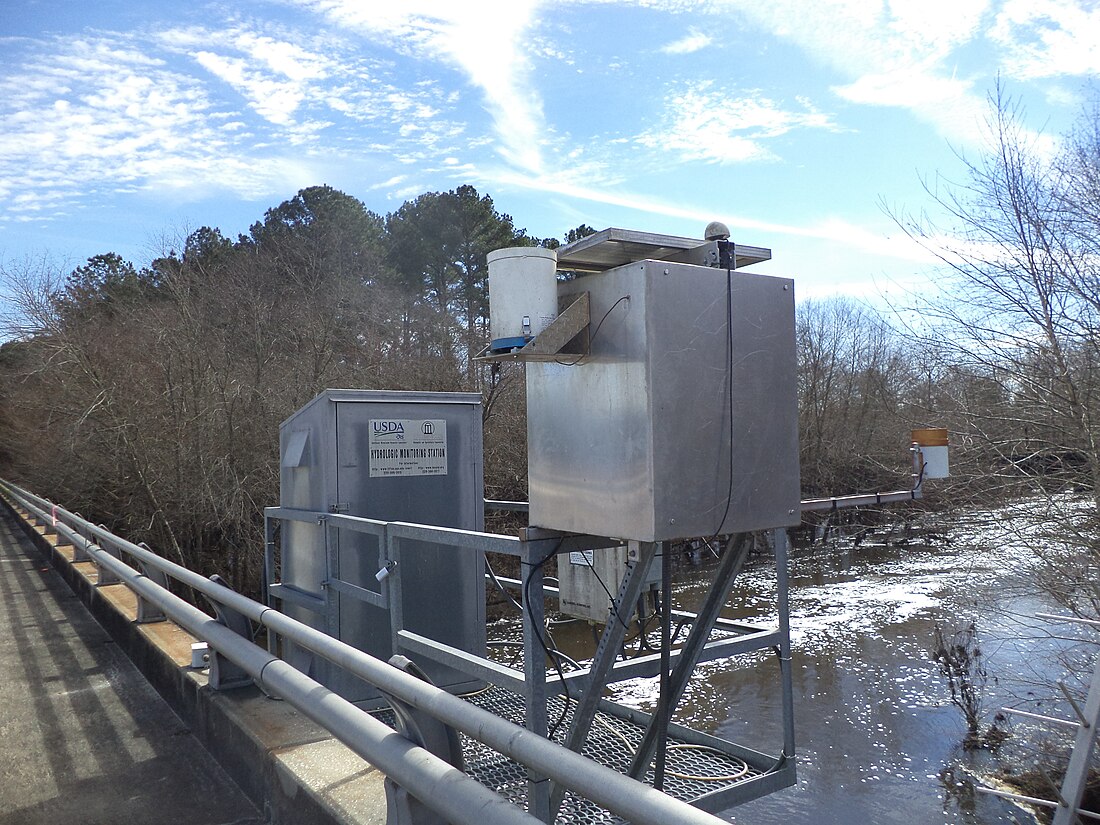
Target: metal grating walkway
column 691, row 770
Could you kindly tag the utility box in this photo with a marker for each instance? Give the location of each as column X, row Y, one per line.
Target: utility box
column 589, row 580
column 389, row 456
column 681, row 419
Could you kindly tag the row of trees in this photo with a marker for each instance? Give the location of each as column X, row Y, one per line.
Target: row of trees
column 153, row 396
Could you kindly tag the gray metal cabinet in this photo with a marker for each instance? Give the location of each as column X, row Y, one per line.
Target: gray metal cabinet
column 390, row 456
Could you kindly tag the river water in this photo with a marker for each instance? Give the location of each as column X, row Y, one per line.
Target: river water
column 878, row 740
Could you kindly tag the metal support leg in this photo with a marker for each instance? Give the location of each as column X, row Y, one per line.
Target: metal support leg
column 224, row 674
column 146, row 611
column 269, row 578
column 737, row 551
column 664, row 707
column 785, row 670
column 332, row 571
column 393, row 586
column 640, row 556
column 1073, row 786
column 103, row 575
column 534, row 665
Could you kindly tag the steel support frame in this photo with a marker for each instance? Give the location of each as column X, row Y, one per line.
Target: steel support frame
column 534, row 547
column 639, row 557
column 737, row 549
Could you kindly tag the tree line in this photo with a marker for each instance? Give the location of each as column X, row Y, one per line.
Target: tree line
column 152, row 396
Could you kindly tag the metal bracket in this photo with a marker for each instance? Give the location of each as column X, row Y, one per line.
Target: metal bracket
column 146, row 610
column 224, row 674
column 103, row 575
column 424, row 730
column 548, row 345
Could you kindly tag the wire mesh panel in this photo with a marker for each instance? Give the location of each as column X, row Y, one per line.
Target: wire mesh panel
column 691, row 771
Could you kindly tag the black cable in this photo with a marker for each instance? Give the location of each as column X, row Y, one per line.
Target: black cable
column 592, row 337
column 729, row 379
column 500, row 586
column 542, row 641
column 614, row 601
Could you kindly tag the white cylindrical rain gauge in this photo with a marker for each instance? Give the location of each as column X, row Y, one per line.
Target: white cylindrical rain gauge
column 523, row 295
column 933, row 446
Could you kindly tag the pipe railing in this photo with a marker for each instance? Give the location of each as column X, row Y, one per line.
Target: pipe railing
column 438, row 785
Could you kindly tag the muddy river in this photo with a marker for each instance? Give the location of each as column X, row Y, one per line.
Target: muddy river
column 878, row 739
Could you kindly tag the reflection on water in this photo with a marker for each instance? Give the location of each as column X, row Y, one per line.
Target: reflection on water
column 877, row 736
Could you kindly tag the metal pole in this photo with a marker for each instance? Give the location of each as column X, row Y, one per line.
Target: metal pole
column 664, row 699
column 785, row 670
column 640, row 557
column 737, row 550
column 269, row 576
column 534, row 665
column 624, row 797
column 1073, row 786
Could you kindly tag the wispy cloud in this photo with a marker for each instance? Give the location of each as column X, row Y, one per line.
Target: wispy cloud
column 1048, row 38
column 102, row 115
column 705, row 123
column 900, row 54
column 829, row 228
column 693, row 41
column 110, row 112
column 485, row 41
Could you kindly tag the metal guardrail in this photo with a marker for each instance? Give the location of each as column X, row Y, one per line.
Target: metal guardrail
column 436, row 784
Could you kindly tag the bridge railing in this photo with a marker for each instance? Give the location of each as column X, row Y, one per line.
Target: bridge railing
column 438, row 785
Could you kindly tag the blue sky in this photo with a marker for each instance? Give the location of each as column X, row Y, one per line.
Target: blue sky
column 125, row 125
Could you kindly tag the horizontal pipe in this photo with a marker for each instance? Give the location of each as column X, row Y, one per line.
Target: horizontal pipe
column 1040, row 717
column 1018, row 797
column 625, row 797
column 439, row 785
column 861, row 500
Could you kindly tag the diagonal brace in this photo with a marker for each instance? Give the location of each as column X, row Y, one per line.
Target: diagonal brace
column 737, row 550
column 640, row 557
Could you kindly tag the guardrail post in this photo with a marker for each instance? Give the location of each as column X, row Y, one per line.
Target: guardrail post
column 146, row 610
column 423, row 729
column 224, row 674
column 103, row 575
column 80, row 550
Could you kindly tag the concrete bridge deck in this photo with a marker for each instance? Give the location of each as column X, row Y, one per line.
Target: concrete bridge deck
column 84, row 738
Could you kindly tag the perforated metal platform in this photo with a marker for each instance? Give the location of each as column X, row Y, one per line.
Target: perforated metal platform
column 692, row 770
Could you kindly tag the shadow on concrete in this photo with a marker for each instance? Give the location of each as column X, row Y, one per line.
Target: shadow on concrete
column 84, row 739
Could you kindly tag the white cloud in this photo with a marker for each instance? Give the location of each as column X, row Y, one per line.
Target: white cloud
column 1048, row 38
column 897, row 54
column 703, row 123
column 693, row 41
column 100, row 115
column 108, row 113
column 484, row 40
